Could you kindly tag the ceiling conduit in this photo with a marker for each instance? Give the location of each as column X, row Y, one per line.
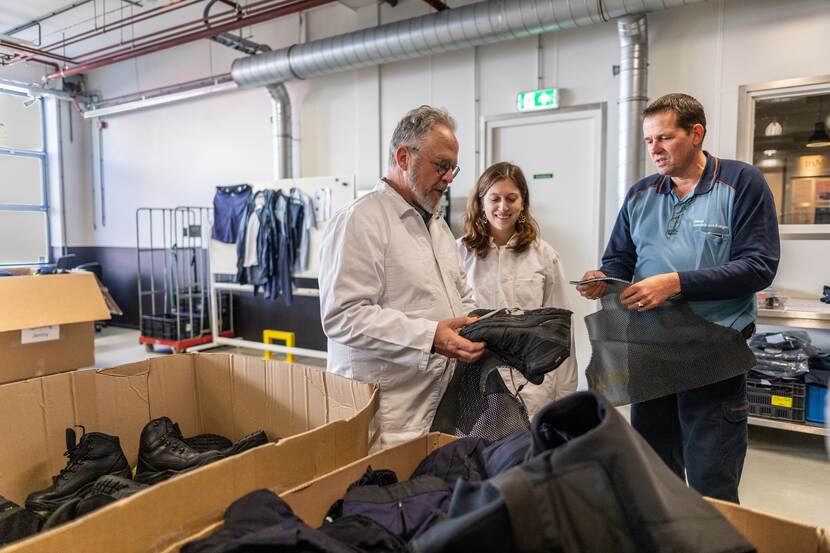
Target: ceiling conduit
column 445, row 31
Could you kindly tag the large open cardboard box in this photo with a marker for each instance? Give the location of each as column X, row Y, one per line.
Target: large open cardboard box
column 323, row 421
column 311, row 501
column 47, row 323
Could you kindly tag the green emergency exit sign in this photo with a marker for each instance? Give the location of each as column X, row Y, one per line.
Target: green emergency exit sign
column 535, row 100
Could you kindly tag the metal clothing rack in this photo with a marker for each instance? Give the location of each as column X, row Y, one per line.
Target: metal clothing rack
column 339, row 191
column 171, row 258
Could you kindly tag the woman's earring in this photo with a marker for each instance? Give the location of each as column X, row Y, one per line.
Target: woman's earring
column 522, row 218
column 483, row 219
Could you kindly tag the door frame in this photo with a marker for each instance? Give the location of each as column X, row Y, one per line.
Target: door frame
column 597, row 112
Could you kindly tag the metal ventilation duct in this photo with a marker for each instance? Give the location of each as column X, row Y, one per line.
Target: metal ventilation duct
column 633, row 82
column 454, row 29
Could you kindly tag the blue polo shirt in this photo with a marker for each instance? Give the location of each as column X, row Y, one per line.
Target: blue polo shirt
column 722, row 239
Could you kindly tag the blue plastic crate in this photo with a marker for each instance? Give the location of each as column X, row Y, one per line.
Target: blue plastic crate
column 816, row 398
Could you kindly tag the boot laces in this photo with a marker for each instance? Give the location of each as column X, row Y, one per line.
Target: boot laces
column 76, row 457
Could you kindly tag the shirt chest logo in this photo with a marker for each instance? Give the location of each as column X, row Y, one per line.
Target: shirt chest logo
column 707, row 226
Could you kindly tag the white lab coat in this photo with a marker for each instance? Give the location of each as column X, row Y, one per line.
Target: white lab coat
column 529, row 280
column 385, row 282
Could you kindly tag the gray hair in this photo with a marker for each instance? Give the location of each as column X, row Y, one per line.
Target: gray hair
column 415, row 124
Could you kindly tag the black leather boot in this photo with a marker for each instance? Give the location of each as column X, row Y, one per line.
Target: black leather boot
column 107, row 489
column 94, row 456
column 162, row 453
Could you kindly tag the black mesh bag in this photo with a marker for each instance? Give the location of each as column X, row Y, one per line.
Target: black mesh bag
column 637, row 356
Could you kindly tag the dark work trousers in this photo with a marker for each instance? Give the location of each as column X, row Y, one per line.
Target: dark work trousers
column 700, row 434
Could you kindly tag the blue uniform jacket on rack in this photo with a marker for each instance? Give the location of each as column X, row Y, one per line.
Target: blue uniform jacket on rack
column 268, row 242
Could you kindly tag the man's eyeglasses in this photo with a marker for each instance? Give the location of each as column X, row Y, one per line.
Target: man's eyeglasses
column 441, row 167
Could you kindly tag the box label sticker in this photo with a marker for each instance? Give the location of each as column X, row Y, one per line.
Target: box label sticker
column 40, row 334
column 782, row 401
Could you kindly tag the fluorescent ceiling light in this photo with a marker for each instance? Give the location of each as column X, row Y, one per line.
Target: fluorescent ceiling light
column 14, row 88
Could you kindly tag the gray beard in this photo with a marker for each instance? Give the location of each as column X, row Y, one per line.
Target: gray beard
column 421, row 199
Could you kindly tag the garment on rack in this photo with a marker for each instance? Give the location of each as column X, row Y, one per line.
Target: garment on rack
column 251, row 237
column 305, row 225
column 322, row 204
column 229, row 205
column 263, row 275
column 285, row 258
column 267, row 260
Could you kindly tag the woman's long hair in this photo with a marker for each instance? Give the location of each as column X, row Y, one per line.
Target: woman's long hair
column 477, row 229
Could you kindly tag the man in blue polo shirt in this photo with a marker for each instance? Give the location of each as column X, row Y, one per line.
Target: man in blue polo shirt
column 705, row 228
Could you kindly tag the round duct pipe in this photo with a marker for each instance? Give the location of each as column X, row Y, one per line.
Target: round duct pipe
column 448, row 30
column 633, row 35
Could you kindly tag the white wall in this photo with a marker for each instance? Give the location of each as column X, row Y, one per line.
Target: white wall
column 177, row 153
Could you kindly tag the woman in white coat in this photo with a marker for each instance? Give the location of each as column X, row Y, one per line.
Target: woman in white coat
column 509, row 265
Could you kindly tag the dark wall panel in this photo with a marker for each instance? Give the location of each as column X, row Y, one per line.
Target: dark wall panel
column 252, row 314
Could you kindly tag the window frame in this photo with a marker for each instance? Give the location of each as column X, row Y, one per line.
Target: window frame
column 748, row 95
column 43, row 207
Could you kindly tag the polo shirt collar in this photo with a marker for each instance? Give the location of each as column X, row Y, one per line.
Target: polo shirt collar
column 704, row 185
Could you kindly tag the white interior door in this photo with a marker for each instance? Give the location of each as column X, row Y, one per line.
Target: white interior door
column 560, row 154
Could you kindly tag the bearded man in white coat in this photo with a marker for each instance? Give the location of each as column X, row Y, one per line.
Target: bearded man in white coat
column 392, row 292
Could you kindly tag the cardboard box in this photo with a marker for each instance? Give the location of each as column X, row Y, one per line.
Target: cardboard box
column 324, row 421
column 311, row 501
column 47, row 324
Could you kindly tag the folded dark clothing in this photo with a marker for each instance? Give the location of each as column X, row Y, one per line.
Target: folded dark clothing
column 16, row 522
column 787, row 340
column 773, row 375
column 789, row 356
column 406, row 509
column 371, row 477
column 820, row 361
column 365, row 535
column 507, row 453
column 462, row 458
column 262, row 521
column 818, row 377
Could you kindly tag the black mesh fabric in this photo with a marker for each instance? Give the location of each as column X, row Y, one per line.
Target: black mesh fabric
column 638, row 356
column 477, row 403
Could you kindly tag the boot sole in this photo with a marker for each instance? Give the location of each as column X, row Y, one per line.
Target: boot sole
column 154, row 476
column 47, row 506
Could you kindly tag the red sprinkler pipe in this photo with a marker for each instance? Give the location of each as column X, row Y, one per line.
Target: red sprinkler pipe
column 204, row 33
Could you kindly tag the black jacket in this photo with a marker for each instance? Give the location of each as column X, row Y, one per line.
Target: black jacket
column 593, row 485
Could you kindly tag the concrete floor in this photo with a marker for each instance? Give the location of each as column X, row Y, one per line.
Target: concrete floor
column 786, row 473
